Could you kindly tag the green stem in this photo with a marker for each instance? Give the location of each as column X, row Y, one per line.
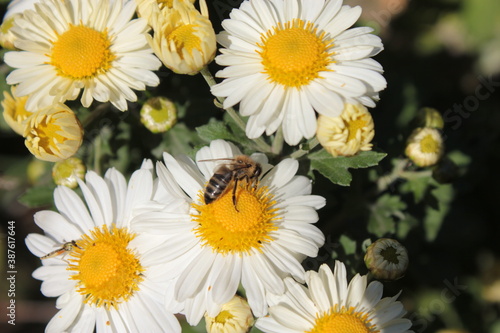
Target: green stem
column 97, row 154
column 261, row 144
column 99, row 111
column 301, row 152
column 399, row 172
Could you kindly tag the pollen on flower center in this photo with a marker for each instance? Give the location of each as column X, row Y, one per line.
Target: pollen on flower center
column 429, row 144
column 107, row 272
column 81, row 52
column 294, row 54
column 185, row 38
column 230, row 230
column 343, row 320
column 353, row 127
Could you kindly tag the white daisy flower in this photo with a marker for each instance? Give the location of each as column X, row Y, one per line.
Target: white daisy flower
column 72, row 45
column 256, row 238
column 329, row 304
column 103, row 272
column 287, row 59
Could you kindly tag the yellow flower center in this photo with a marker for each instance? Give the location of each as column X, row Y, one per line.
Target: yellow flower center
column 184, row 37
column 47, row 134
column 107, row 272
column 165, row 3
column 343, row 320
column 82, row 52
column 227, row 230
column 294, row 54
column 354, row 126
column 223, row 317
column 429, row 145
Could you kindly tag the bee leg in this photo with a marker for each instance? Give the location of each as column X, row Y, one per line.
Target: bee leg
column 234, row 194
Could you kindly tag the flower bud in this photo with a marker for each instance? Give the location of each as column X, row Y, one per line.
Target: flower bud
column 67, row 172
column 158, row 114
column 14, row 111
column 184, row 39
column 386, row 259
column 235, row 317
column 425, row 146
column 348, row 133
column 430, row 117
column 53, row 133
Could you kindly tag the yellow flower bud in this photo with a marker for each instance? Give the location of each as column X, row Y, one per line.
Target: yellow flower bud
column 430, row 117
column 386, row 259
column 184, row 39
column 7, row 38
column 54, row 133
column 36, row 170
column 68, row 171
column 425, row 146
column 14, row 111
column 348, row 133
column 158, row 114
column 234, row 317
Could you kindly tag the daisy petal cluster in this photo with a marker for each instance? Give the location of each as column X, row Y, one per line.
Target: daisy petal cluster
column 102, row 270
column 288, row 59
column 256, row 240
column 331, row 304
column 81, row 45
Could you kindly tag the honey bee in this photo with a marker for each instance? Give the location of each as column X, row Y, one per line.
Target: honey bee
column 66, row 247
column 241, row 167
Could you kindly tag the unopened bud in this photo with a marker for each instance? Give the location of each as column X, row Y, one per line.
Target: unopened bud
column 158, row 114
column 235, row 316
column 67, row 172
column 386, row 259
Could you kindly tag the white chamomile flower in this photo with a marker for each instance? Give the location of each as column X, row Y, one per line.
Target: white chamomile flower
column 256, row 239
column 330, row 304
column 287, row 59
column 103, row 272
column 67, row 46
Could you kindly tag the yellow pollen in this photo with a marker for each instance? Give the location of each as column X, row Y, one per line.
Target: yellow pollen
column 185, row 38
column 343, row 320
column 81, row 52
column 353, row 127
column 107, row 272
column 429, row 145
column 294, row 54
column 227, row 230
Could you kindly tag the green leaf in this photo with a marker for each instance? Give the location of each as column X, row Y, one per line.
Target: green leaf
column 349, row 245
column 383, row 214
column 434, row 217
column 215, row 129
column 417, row 186
column 336, row 168
column 38, row 196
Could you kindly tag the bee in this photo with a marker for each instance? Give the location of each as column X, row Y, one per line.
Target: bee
column 239, row 168
column 66, row 247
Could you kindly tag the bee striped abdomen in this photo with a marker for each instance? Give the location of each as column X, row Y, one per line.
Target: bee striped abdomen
column 216, row 186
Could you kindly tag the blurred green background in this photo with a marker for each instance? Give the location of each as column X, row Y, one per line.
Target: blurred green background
column 443, row 54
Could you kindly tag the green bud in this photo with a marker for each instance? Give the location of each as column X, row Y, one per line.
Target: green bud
column 158, row 114
column 386, row 259
column 67, row 171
